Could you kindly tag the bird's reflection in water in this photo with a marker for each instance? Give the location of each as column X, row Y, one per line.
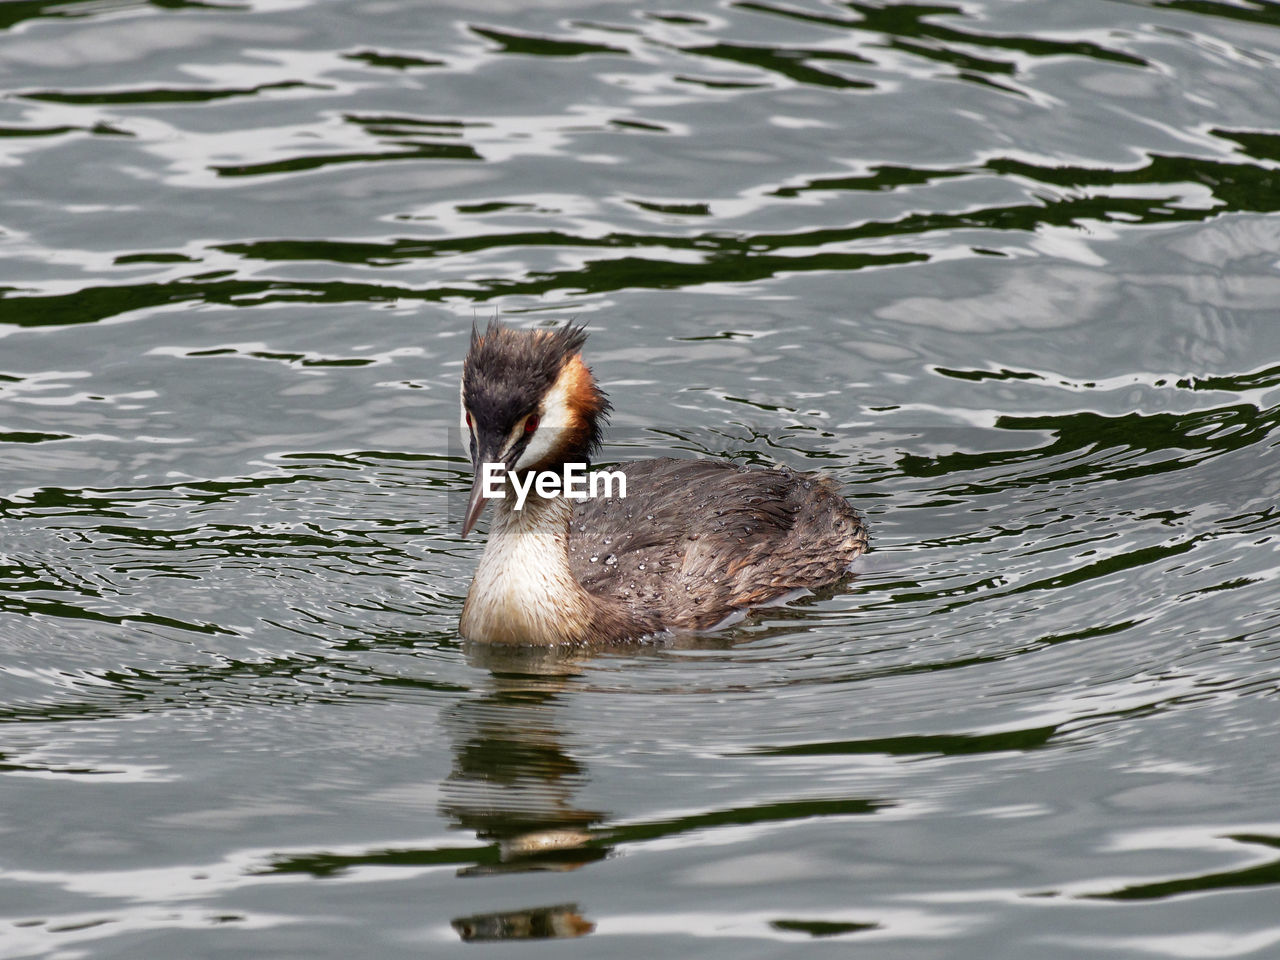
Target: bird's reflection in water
column 513, row 784
column 538, row 923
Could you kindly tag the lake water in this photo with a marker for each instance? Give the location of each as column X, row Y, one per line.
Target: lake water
column 1008, row 271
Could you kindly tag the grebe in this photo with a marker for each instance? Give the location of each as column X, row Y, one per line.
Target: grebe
column 692, row 543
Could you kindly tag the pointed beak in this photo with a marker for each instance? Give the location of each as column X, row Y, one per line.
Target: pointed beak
column 486, row 452
column 475, row 506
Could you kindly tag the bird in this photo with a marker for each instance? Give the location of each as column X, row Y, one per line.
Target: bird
column 694, row 544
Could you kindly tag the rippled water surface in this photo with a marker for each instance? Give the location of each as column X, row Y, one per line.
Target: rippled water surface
column 1008, row 271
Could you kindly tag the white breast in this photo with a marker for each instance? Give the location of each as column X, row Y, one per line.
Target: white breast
column 523, row 591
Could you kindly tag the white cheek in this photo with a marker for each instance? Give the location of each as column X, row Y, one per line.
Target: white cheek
column 462, row 421
column 556, row 418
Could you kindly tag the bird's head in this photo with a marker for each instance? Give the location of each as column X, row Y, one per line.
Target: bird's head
column 528, row 403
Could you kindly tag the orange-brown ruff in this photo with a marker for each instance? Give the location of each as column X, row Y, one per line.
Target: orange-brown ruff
column 693, row 542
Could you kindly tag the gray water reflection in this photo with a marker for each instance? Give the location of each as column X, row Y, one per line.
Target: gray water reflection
column 1005, row 270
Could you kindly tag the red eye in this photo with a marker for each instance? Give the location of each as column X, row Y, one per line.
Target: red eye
column 531, row 424
column 468, row 418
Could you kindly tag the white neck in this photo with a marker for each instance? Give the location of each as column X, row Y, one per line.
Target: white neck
column 524, row 591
